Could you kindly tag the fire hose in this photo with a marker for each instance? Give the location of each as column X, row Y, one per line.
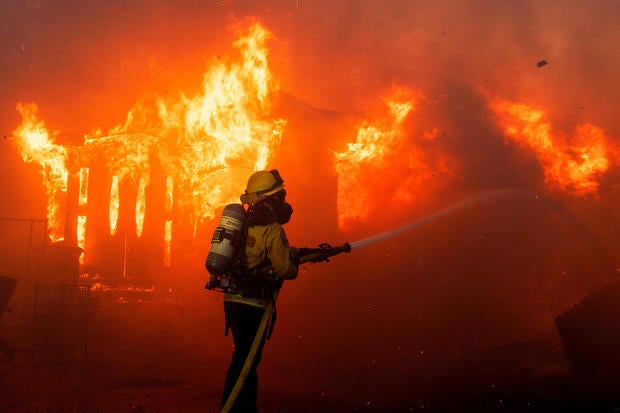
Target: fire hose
column 325, row 251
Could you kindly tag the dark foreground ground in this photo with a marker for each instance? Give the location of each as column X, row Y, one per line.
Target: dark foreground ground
column 164, row 359
column 183, row 385
column 163, row 387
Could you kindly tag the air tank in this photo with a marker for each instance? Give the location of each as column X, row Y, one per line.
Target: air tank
column 226, row 240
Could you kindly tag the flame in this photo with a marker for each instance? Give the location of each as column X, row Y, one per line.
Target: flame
column 573, row 164
column 83, row 194
column 227, row 126
column 37, row 146
column 114, row 204
column 140, row 207
column 81, row 219
column 207, row 144
column 169, row 202
column 81, row 235
column 167, row 243
column 382, row 163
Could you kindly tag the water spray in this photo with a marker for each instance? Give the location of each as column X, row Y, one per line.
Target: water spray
column 474, row 200
column 325, row 250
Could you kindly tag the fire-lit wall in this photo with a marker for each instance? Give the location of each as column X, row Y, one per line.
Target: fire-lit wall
column 124, row 253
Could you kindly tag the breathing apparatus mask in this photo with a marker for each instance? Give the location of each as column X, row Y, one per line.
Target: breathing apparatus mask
column 282, row 209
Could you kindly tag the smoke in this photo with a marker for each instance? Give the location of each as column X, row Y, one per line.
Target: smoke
column 350, row 51
column 347, row 51
column 483, row 277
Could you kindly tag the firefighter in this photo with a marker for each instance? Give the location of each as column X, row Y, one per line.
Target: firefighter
column 268, row 261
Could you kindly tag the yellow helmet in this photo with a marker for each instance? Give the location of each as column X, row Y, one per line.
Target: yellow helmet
column 262, row 184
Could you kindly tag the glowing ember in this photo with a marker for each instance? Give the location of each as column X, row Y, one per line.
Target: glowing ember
column 383, row 164
column 572, row 164
column 36, row 146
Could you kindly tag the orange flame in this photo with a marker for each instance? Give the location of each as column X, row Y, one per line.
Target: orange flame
column 167, row 243
column 114, row 204
column 573, row 165
column 169, row 203
column 382, row 159
column 140, row 207
column 169, row 200
column 227, row 126
column 83, row 194
column 81, row 219
column 37, row 146
column 207, row 144
column 81, row 234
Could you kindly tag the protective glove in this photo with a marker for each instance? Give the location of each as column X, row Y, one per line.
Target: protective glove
column 311, row 255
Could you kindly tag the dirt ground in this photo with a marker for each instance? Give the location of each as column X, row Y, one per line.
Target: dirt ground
column 194, row 386
column 172, row 358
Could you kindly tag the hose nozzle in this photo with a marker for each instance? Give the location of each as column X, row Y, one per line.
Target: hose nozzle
column 322, row 253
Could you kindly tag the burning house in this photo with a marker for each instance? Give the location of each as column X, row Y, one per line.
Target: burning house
column 477, row 286
column 121, row 196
